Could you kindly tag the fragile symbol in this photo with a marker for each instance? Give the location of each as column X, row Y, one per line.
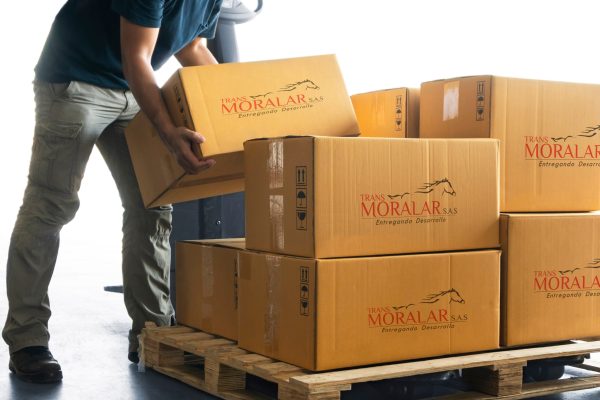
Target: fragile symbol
column 398, row 124
column 304, row 307
column 301, row 220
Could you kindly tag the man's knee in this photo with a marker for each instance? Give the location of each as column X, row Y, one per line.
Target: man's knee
column 50, row 207
column 154, row 222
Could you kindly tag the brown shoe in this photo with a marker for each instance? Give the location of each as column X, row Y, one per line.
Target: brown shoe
column 36, row 365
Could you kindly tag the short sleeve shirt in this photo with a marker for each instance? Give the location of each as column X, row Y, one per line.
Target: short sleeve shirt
column 84, row 41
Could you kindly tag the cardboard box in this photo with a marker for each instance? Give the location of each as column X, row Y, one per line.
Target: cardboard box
column 550, row 146
column 342, row 197
column 550, row 277
column 231, row 103
column 388, row 113
column 337, row 313
column 206, row 283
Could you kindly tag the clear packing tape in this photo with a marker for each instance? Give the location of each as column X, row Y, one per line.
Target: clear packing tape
column 272, row 309
column 275, row 172
column 451, row 100
column 276, row 218
column 275, row 164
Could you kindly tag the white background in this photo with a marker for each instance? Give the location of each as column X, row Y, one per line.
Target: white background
column 379, row 44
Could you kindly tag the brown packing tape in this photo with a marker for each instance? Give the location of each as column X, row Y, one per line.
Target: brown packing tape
column 272, row 309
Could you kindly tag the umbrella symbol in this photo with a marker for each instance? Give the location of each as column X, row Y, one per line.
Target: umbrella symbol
column 304, row 292
column 301, row 198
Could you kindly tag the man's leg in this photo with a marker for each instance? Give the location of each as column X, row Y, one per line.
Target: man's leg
column 146, row 249
column 67, row 126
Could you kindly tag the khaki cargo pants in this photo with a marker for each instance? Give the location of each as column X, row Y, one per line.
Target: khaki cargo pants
column 70, row 119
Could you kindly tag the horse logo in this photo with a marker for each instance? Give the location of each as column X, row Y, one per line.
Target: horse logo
column 588, row 132
column 595, row 264
column 394, row 196
column 452, row 294
column 443, row 184
column 397, row 308
column 306, row 84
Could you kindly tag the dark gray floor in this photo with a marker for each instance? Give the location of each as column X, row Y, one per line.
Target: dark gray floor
column 89, row 339
column 89, row 329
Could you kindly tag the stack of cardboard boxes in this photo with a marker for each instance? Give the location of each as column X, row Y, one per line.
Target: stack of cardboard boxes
column 333, row 279
column 550, row 172
column 377, row 249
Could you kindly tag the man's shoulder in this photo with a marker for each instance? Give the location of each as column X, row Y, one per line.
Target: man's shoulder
column 148, row 13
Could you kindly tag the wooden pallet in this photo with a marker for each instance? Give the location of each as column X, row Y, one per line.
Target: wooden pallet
column 217, row 366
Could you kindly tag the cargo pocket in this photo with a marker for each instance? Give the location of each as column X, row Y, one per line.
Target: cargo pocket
column 54, row 159
column 60, row 90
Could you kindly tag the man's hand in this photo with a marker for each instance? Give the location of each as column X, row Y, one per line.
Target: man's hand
column 137, row 46
column 184, row 144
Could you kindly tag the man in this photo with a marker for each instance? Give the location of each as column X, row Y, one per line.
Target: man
column 96, row 67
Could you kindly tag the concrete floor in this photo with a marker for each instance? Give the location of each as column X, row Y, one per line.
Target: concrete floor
column 89, row 339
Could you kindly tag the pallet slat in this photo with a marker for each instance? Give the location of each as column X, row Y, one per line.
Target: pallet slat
column 310, row 382
column 217, row 366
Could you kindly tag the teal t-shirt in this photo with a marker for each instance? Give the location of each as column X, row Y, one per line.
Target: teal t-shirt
column 84, row 42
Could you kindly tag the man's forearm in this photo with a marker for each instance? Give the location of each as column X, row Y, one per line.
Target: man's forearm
column 142, row 83
column 195, row 53
column 137, row 46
